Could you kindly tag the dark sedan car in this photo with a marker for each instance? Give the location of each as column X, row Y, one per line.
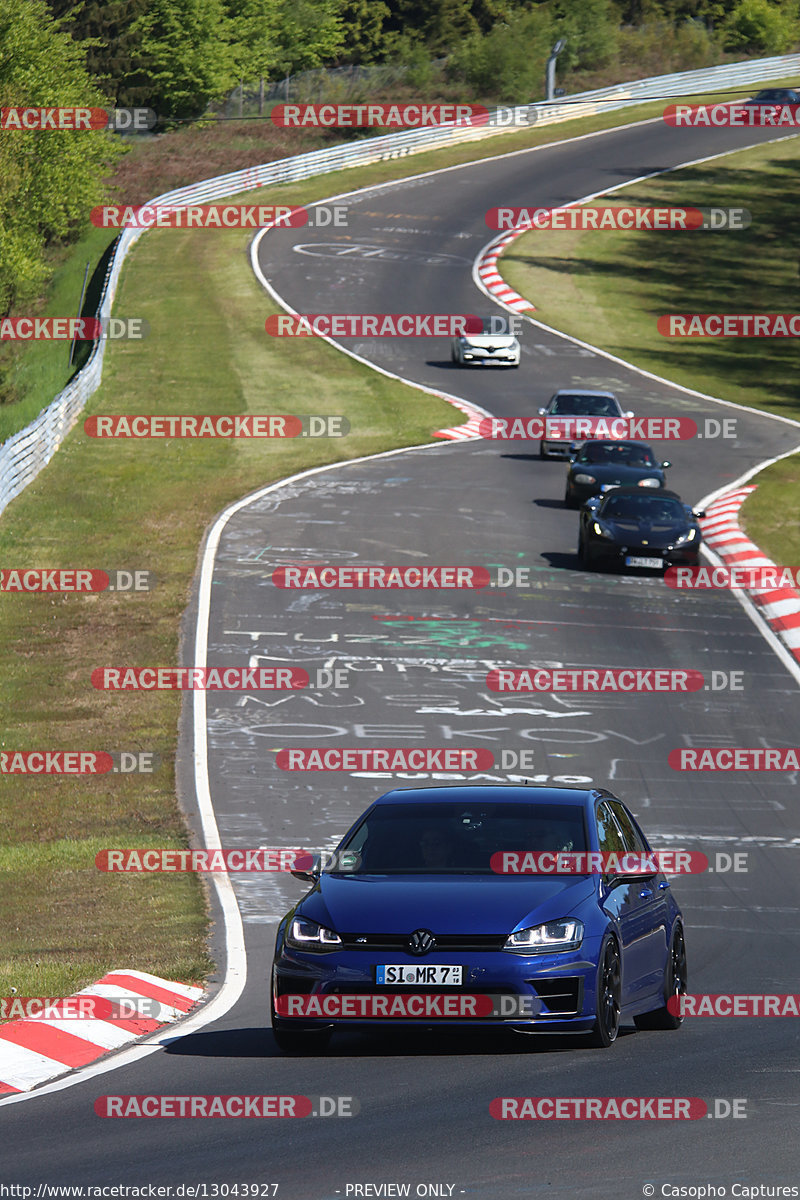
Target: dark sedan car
column 418, row 925
column 632, row 527
column 599, row 467
column 775, row 96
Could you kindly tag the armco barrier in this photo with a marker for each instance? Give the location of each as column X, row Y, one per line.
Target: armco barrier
column 24, row 454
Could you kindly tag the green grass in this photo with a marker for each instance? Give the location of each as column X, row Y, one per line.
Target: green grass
column 609, row 288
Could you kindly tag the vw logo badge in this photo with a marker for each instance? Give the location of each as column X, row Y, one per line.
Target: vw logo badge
column 421, row 941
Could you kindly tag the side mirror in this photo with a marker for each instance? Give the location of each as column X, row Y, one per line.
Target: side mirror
column 542, row 411
column 629, row 414
column 666, row 463
column 311, row 873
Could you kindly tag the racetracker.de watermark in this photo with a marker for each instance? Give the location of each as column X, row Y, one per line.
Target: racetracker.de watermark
column 412, row 325
column 261, row 860
column 331, row 576
column 225, row 679
column 732, row 577
column 84, row 1007
column 73, row 329
column 597, row 862
column 182, row 425
column 619, row 218
column 596, row 679
column 727, row 1004
column 385, row 758
column 74, row 580
column 218, row 216
column 78, row 762
column 739, row 325
column 569, row 429
column 74, row 119
column 261, row 1107
column 616, row 1108
column 705, row 116
column 383, row 116
column 740, row 758
column 409, row 1006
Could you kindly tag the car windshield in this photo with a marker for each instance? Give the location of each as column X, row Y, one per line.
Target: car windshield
column 459, row 839
column 615, row 452
column 497, row 325
column 774, row 96
column 584, row 406
column 644, row 508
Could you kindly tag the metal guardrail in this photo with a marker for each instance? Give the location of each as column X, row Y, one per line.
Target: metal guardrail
column 27, row 452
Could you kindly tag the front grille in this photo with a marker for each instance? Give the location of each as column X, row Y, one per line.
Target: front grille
column 446, row 943
column 561, row 996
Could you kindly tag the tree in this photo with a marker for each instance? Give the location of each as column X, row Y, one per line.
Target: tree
column 363, row 24
column 51, row 178
column 757, row 27
column 185, row 51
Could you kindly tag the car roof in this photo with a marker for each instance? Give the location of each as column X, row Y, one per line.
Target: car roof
column 616, row 442
column 499, row 793
column 581, row 392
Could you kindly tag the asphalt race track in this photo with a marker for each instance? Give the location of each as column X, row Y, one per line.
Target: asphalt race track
column 416, row 666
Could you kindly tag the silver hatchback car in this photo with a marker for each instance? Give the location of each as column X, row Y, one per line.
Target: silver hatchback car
column 575, row 402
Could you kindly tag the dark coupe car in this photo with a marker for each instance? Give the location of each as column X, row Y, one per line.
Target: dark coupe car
column 634, row 527
column 576, row 402
column 775, row 96
column 415, row 914
column 599, row 467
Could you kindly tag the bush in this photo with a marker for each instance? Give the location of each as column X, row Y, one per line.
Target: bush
column 757, row 27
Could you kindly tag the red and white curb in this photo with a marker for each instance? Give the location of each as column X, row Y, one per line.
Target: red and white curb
column 491, row 278
column 470, row 429
column 35, row 1050
column 723, row 534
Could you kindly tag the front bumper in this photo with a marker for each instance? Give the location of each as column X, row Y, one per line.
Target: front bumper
column 478, row 355
column 613, row 553
column 554, row 992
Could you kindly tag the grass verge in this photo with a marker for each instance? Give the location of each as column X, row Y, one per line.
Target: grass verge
column 609, row 288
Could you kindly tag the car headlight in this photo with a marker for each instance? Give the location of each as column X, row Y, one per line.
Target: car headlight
column 686, row 537
column 649, row 483
column 308, row 935
column 584, row 478
column 541, row 939
column 601, row 531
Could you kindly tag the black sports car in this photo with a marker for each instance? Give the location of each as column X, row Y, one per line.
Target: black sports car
column 633, row 527
column 600, row 466
column 775, row 96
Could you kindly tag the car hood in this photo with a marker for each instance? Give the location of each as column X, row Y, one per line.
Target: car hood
column 626, row 529
column 478, row 904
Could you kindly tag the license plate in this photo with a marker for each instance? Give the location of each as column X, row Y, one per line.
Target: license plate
column 393, row 974
column 634, row 560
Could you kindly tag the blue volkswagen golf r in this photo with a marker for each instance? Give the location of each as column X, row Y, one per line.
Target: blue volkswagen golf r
column 415, row 925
